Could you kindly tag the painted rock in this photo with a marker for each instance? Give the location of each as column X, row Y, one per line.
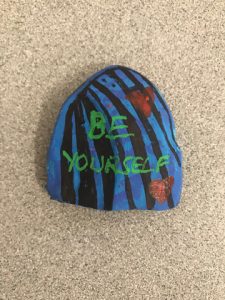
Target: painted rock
column 114, row 146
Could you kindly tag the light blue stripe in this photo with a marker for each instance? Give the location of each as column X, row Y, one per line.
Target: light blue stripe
column 124, row 78
column 76, row 174
column 166, row 123
column 140, row 79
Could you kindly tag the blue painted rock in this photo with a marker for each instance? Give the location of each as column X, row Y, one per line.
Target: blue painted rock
column 114, row 146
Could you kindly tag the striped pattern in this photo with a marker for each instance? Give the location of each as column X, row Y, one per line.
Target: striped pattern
column 106, row 92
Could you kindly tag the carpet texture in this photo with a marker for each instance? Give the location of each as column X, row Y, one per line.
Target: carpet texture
column 50, row 250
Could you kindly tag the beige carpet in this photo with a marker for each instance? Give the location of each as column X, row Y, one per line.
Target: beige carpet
column 50, row 250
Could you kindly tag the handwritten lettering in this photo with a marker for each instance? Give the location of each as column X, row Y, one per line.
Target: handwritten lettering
column 97, row 124
column 131, row 164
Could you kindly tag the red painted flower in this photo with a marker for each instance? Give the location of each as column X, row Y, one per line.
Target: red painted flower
column 161, row 189
column 142, row 100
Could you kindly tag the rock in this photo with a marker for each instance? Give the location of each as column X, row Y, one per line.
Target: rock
column 114, row 146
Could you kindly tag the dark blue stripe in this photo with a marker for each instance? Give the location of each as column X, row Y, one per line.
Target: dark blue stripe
column 97, row 164
column 67, row 188
column 87, row 189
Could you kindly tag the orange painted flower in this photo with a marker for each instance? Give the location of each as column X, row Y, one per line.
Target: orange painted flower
column 160, row 189
column 142, row 100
